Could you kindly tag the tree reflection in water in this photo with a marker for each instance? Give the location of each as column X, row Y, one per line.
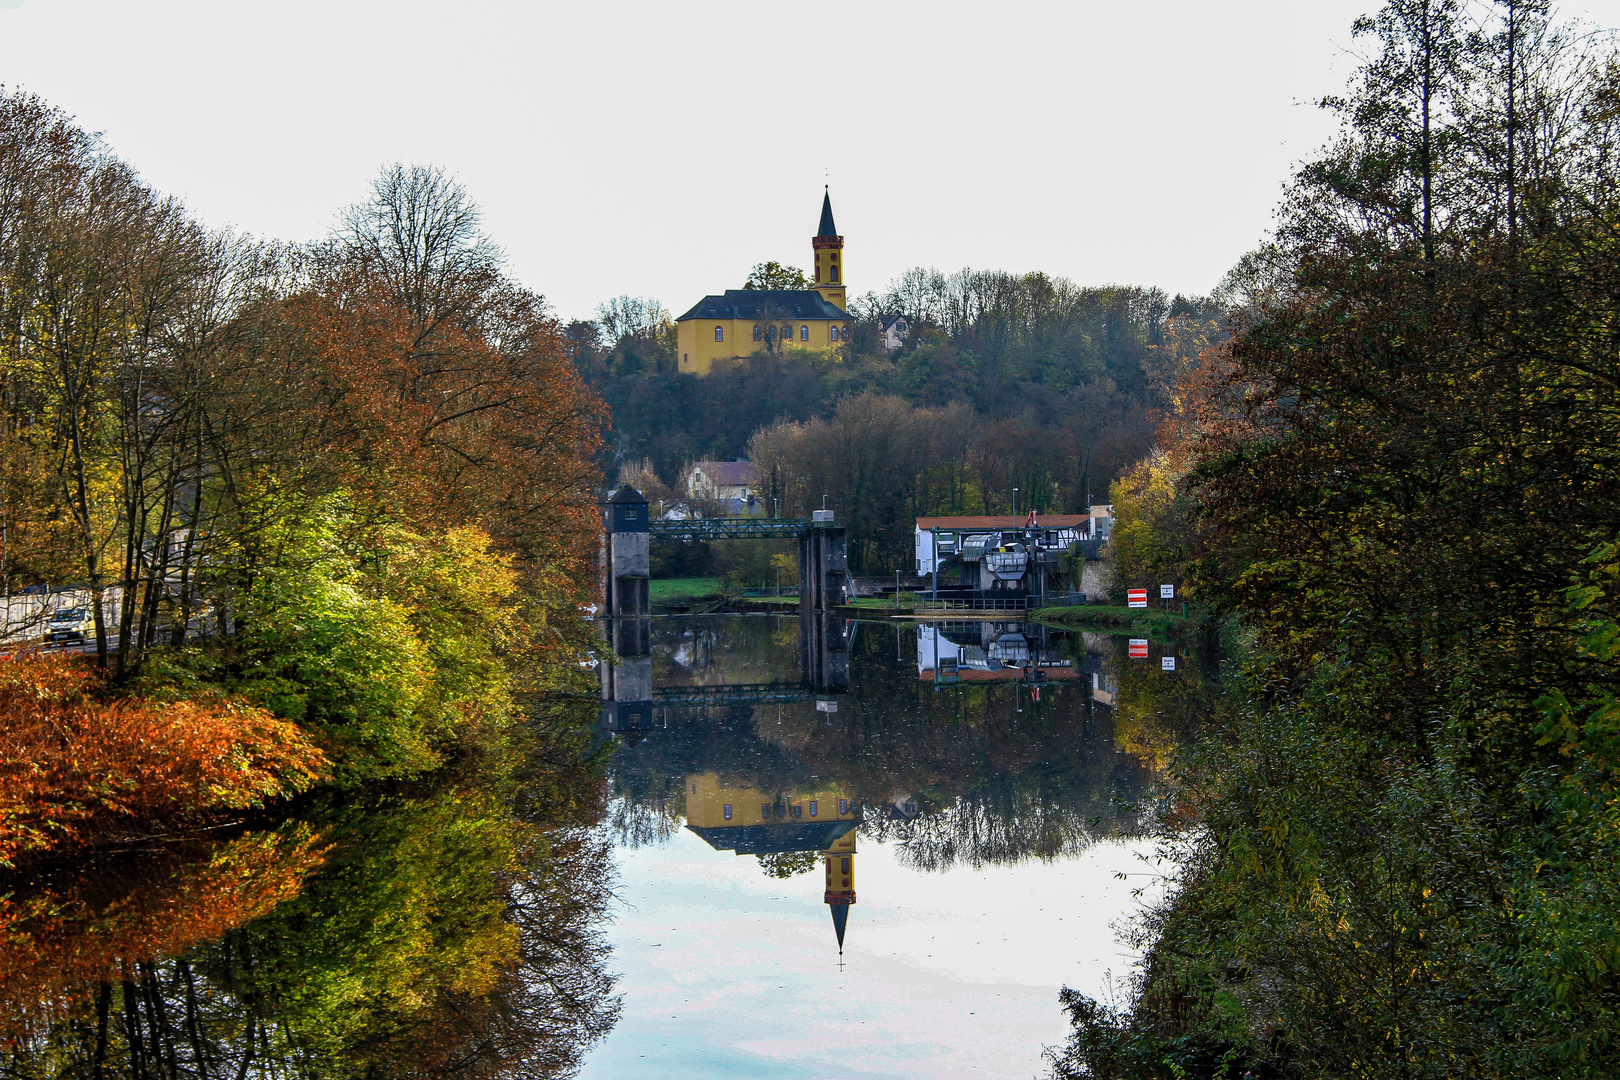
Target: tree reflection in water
column 449, row 931
column 976, row 774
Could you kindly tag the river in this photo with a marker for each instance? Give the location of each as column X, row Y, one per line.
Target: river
column 972, row 781
column 873, row 849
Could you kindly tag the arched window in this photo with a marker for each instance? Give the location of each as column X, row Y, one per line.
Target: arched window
column 719, row 333
column 834, row 272
column 835, row 333
column 756, row 332
column 787, row 333
column 804, row 333
column 770, row 332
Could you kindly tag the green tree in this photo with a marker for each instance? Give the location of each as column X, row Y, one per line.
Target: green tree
column 773, row 275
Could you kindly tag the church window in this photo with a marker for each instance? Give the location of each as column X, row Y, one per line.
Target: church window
column 804, row 333
column 764, row 809
column 719, row 333
column 787, row 333
column 814, row 807
column 843, row 865
column 834, row 271
column 728, row 811
column 756, row 333
column 843, row 806
column 835, row 333
column 798, row 811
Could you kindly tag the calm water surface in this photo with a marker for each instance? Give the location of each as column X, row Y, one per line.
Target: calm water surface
column 965, row 815
column 786, row 849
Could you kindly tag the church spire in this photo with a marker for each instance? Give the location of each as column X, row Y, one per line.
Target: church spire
column 826, row 228
column 840, row 892
column 829, row 256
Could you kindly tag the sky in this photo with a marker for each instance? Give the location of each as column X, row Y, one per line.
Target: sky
column 950, row 975
column 660, row 149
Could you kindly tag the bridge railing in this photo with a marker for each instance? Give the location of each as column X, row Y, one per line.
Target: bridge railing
column 996, row 603
column 737, row 528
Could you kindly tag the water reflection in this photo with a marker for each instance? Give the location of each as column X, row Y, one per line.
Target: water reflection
column 976, row 765
column 451, row 927
column 976, row 771
column 972, row 744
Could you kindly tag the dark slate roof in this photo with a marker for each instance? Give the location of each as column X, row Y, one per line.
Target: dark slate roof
column 840, row 914
column 886, row 321
column 765, row 305
column 770, row 839
column 626, row 494
column 826, row 228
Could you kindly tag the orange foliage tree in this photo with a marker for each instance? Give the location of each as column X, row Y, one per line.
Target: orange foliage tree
column 59, row 944
column 74, row 768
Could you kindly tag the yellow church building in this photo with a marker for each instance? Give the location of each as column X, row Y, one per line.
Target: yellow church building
column 741, row 818
column 743, row 322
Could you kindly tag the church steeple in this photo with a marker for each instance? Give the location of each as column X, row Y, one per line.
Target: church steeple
column 840, row 883
column 829, row 256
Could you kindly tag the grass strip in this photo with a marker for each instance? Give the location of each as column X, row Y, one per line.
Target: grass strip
column 1160, row 626
column 682, row 590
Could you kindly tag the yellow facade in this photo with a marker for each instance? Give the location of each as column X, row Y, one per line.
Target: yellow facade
column 830, row 269
column 699, row 348
column 711, row 804
column 840, row 859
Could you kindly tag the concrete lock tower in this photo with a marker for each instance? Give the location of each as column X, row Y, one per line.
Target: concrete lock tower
column 626, row 565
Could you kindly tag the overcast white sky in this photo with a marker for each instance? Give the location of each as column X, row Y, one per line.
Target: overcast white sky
column 661, row 149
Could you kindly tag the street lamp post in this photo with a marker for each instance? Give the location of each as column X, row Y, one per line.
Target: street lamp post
column 1015, row 502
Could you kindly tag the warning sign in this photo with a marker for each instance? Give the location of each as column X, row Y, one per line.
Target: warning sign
column 1138, row 648
column 1137, row 597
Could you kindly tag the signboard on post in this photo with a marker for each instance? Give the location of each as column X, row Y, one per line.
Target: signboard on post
column 1167, row 663
column 1138, row 649
column 1167, row 592
column 1136, row 597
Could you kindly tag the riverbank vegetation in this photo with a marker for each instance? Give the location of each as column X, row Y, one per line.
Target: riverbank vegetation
column 445, row 925
column 329, row 498
column 1398, row 484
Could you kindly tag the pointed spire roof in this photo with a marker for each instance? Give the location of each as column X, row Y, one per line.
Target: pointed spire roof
column 840, row 914
column 827, row 228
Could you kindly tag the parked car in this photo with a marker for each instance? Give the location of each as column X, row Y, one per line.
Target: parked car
column 73, row 624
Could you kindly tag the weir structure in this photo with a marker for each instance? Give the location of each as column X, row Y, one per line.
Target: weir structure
column 628, row 696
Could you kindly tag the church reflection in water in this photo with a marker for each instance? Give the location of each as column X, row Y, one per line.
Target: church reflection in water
column 790, row 739
column 747, row 821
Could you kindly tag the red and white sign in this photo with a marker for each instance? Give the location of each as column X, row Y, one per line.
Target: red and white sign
column 1137, row 597
column 1138, row 648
